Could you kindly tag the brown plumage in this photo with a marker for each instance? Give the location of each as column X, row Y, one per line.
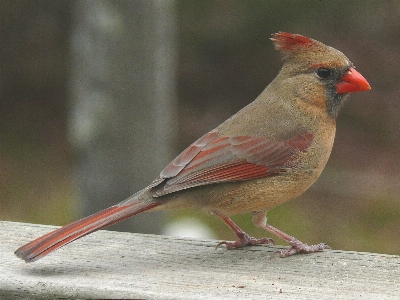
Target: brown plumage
column 269, row 152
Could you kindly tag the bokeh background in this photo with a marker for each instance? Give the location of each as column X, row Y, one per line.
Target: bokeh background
column 224, row 59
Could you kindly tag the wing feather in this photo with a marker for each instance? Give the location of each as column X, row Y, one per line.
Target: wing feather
column 215, row 159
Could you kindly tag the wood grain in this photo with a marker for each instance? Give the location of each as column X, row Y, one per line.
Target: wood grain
column 112, row 265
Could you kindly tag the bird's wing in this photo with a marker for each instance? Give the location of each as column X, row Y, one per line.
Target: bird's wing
column 215, row 159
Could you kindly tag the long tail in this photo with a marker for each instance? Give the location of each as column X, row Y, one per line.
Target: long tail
column 42, row 246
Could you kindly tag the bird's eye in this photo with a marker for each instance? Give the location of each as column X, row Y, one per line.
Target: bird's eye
column 324, row 73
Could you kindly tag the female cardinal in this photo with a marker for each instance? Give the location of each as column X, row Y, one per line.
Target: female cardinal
column 270, row 152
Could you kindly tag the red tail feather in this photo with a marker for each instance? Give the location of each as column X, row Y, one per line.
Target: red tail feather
column 52, row 241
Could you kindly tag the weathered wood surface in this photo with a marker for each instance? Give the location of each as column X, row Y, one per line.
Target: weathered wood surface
column 135, row 266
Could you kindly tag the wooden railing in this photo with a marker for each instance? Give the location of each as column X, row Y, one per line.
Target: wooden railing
column 114, row 265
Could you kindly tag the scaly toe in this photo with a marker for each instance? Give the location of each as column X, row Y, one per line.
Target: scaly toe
column 299, row 247
column 247, row 241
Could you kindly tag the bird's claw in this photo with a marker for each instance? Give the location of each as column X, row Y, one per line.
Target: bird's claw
column 246, row 241
column 299, row 247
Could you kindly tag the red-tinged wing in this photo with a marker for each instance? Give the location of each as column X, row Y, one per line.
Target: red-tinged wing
column 216, row 159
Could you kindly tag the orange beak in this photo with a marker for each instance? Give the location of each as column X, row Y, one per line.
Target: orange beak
column 352, row 81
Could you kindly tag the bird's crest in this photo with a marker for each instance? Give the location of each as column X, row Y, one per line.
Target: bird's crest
column 290, row 43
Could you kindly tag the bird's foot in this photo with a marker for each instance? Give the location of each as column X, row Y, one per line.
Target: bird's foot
column 245, row 240
column 299, row 247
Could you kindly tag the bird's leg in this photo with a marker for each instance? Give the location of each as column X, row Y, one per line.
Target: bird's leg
column 260, row 220
column 244, row 238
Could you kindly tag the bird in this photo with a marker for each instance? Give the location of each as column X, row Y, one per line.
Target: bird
column 269, row 152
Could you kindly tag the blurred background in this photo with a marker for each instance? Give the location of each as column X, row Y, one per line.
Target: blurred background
column 97, row 96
